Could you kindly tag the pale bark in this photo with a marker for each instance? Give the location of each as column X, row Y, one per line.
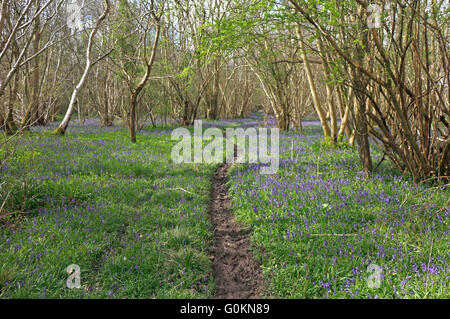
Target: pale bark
column 346, row 118
column 11, row 39
column 61, row 130
column 330, row 100
column 312, row 86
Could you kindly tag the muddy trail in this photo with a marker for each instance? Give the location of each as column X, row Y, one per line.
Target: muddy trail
column 237, row 275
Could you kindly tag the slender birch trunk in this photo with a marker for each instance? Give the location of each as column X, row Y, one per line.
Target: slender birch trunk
column 61, row 130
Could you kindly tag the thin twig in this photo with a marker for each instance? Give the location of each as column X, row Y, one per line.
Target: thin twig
column 181, row 189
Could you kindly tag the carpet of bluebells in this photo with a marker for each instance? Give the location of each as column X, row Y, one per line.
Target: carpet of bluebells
column 318, row 224
column 136, row 224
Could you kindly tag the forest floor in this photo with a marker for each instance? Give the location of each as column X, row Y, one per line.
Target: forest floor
column 140, row 226
column 135, row 223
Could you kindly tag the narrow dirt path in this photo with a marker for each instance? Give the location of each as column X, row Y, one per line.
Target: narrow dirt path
column 236, row 273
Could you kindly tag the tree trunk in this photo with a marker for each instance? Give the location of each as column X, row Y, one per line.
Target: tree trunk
column 61, row 130
column 36, row 116
column 312, row 86
column 330, row 99
column 346, row 118
column 132, row 117
column 362, row 135
column 141, row 85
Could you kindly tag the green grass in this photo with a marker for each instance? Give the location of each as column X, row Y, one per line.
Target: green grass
column 136, row 224
column 318, row 224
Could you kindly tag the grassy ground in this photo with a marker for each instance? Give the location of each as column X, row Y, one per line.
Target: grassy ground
column 136, row 224
column 319, row 224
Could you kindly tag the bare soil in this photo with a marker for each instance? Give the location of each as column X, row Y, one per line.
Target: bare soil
column 237, row 275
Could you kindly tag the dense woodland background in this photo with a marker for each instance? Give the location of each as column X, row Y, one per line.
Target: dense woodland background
column 366, row 72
